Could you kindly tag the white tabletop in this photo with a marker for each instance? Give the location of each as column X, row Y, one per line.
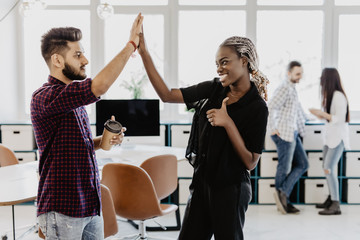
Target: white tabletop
column 18, row 183
column 136, row 154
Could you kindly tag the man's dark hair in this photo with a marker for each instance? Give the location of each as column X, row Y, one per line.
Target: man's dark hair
column 56, row 39
column 293, row 64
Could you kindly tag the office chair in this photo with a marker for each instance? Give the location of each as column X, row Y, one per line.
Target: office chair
column 165, row 183
column 134, row 194
column 108, row 213
column 7, row 156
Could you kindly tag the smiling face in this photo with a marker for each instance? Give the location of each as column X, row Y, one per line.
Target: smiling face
column 75, row 62
column 295, row 74
column 230, row 67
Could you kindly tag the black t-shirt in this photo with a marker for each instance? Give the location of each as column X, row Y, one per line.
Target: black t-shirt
column 217, row 163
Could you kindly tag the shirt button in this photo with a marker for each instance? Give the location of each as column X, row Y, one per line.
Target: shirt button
column 203, row 155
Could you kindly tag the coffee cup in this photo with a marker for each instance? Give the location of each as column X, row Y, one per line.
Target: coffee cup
column 111, row 128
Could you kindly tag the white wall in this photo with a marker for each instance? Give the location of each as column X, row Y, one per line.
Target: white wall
column 9, row 111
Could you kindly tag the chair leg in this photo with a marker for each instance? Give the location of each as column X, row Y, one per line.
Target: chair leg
column 142, row 230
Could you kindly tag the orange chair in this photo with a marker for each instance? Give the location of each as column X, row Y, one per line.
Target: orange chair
column 7, row 156
column 135, row 194
column 108, row 213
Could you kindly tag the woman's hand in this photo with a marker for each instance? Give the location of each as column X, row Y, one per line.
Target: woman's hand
column 317, row 112
column 136, row 29
column 219, row 117
column 142, row 45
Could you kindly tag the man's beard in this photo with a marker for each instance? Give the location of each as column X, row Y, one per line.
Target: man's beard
column 69, row 72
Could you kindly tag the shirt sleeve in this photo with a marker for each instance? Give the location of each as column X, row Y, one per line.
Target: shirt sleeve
column 255, row 142
column 276, row 102
column 58, row 99
column 340, row 107
column 193, row 94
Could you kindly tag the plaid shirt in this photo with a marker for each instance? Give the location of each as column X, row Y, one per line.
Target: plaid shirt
column 285, row 112
column 69, row 176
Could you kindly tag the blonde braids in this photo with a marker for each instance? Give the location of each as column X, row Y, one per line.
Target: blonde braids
column 245, row 48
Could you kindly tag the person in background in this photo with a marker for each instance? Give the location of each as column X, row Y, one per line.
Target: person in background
column 286, row 125
column 335, row 113
column 226, row 138
column 69, row 197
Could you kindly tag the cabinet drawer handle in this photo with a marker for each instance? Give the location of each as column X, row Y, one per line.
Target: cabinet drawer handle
column 357, row 131
column 186, row 132
column 275, row 159
column 20, row 159
column 319, row 185
column 317, row 132
column 16, row 132
column 272, row 185
column 321, row 159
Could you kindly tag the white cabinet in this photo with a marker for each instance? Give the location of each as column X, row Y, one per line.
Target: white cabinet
column 354, row 133
column 180, row 135
column 268, row 164
column 353, row 191
column 352, row 164
column 266, row 190
column 316, row 190
column 315, row 164
column 18, row 137
column 185, row 169
column 24, row 157
column 313, row 137
column 184, row 191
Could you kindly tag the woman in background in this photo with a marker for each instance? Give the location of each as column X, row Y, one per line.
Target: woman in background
column 336, row 135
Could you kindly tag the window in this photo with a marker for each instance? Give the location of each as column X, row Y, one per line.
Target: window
column 288, row 41
column 116, row 36
column 200, row 34
column 213, row 2
column 349, row 52
column 290, row 3
column 36, row 70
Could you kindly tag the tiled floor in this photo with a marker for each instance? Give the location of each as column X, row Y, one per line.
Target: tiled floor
column 262, row 222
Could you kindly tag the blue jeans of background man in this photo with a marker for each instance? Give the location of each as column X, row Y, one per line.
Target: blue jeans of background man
column 331, row 158
column 292, row 163
column 55, row 225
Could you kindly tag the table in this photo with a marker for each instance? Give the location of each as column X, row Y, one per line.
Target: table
column 136, row 154
column 18, row 184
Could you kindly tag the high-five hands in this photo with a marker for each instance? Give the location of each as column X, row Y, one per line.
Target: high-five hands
column 218, row 117
column 136, row 29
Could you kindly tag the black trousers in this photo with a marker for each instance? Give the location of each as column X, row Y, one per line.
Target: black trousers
column 216, row 211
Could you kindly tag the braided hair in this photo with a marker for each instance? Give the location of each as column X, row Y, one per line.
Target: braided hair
column 244, row 47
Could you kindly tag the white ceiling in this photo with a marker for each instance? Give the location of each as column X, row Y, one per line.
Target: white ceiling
column 5, row 6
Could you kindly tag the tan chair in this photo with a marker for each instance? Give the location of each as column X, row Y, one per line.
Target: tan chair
column 7, row 156
column 134, row 193
column 108, row 213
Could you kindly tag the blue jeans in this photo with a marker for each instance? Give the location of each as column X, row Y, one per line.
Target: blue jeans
column 292, row 163
column 331, row 158
column 55, row 225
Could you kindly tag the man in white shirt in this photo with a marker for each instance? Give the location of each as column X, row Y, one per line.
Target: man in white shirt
column 286, row 124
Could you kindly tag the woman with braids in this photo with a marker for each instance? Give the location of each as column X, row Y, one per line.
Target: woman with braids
column 226, row 138
column 336, row 135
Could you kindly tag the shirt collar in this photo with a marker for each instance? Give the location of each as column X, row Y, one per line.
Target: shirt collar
column 249, row 96
column 53, row 80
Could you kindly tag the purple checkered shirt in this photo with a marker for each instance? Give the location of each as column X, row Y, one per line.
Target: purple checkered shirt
column 69, row 176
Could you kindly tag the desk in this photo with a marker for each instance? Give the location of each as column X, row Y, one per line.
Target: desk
column 136, row 154
column 18, row 184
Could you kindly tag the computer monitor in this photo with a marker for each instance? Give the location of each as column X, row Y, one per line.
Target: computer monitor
column 141, row 117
